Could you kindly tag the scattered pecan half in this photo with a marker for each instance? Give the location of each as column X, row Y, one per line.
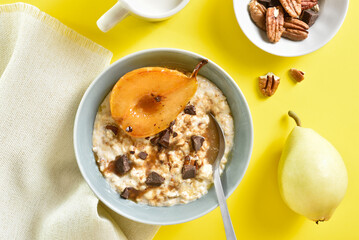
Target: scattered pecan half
column 295, row 29
column 292, row 7
column 297, row 74
column 258, row 14
column 268, row 84
column 308, row 4
column 274, row 23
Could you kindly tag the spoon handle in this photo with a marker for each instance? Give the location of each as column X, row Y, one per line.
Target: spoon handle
column 228, row 227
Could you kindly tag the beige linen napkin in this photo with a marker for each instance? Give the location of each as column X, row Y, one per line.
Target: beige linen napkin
column 45, row 67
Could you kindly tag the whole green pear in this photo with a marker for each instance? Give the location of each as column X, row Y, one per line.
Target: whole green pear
column 312, row 176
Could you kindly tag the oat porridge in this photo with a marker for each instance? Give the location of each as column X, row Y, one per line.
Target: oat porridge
column 172, row 167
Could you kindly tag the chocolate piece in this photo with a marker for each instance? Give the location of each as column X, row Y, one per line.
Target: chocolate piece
column 190, row 109
column 274, row 3
column 158, row 99
column 154, row 179
column 122, row 164
column 197, row 142
column 125, row 193
column 154, row 140
column 113, row 128
column 189, row 168
column 309, row 17
column 175, row 134
column 188, row 171
column 129, row 193
column 142, row 155
column 164, row 140
column 265, row 3
column 129, row 129
column 269, row 3
column 132, row 152
column 147, row 138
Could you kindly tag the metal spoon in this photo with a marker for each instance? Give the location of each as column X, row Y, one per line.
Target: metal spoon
column 228, row 227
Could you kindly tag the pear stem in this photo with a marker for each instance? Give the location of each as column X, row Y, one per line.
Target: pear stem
column 295, row 117
column 198, row 67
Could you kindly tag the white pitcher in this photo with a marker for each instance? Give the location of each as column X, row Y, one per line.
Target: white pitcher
column 150, row 10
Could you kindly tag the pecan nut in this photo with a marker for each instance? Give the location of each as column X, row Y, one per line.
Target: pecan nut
column 292, row 7
column 297, row 74
column 258, row 14
column 295, row 29
column 274, row 23
column 268, row 84
column 308, row 4
column 295, row 24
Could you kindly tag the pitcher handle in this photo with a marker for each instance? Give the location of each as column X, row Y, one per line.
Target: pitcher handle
column 113, row 16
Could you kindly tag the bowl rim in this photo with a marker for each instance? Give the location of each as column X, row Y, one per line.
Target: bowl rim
column 310, row 50
column 82, row 103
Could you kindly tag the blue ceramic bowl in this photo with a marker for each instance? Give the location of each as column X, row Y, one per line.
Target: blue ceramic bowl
column 84, row 122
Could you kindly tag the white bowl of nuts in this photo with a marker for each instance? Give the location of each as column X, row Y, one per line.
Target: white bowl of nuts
column 290, row 28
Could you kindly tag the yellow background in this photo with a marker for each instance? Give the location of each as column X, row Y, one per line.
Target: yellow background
column 327, row 101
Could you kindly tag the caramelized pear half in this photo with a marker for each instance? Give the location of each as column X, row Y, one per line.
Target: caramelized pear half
column 145, row 101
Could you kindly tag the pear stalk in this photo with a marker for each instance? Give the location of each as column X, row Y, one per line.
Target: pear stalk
column 198, row 67
column 295, row 117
